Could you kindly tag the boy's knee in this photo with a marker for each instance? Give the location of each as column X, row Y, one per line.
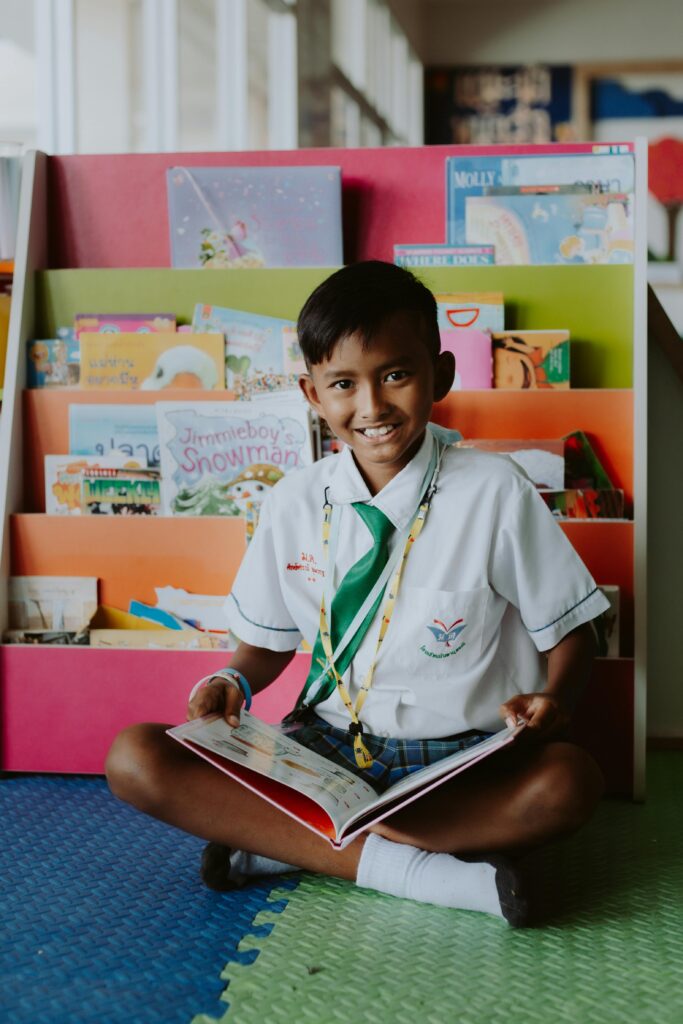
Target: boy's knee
column 134, row 763
column 568, row 786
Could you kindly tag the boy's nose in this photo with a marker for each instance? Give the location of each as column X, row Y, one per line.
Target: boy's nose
column 371, row 403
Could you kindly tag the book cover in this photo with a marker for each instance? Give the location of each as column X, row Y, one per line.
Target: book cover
column 123, row 492
column 255, row 216
column 585, row 504
column 51, row 602
column 541, row 460
column 64, row 478
column 531, row 359
column 582, row 467
column 221, row 458
column 262, row 353
column 534, row 229
column 151, row 362
column 101, row 429
column 602, row 168
column 444, row 255
column 131, row 323
column 53, row 363
column 473, row 353
column 483, row 310
column 316, row 792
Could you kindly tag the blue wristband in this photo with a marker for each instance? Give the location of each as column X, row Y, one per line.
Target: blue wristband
column 243, row 685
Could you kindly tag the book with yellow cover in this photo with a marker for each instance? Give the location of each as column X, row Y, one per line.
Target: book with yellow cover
column 152, row 362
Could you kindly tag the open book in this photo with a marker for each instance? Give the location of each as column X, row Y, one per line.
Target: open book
column 323, row 796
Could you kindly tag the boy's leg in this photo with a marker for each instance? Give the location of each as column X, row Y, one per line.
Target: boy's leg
column 515, row 800
column 160, row 777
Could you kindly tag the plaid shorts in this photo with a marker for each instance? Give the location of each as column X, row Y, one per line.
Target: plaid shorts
column 392, row 758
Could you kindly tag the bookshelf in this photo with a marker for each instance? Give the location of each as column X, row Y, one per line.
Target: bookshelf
column 106, row 248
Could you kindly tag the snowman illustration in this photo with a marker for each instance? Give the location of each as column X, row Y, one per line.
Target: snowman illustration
column 251, row 486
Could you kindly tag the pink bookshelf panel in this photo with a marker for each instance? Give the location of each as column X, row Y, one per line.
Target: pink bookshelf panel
column 110, row 211
column 61, row 709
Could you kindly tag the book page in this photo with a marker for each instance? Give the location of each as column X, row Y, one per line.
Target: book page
column 264, row 749
column 417, row 783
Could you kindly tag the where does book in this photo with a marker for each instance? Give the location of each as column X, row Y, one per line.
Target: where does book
column 316, row 792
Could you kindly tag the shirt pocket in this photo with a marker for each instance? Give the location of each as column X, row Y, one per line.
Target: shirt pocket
column 439, row 632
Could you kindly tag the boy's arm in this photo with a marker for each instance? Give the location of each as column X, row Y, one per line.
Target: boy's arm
column 257, row 664
column 569, row 665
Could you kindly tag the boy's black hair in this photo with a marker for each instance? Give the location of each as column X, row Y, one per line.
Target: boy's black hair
column 358, row 299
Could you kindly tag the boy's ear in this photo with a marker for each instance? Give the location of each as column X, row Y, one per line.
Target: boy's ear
column 309, row 389
column 444, row 375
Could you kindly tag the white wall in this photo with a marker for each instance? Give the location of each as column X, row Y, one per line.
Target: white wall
column 552, row 31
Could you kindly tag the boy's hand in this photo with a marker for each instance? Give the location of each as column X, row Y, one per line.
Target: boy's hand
column 218, row 697
column 543, row 714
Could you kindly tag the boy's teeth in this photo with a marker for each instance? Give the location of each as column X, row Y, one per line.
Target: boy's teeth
column 377, row 431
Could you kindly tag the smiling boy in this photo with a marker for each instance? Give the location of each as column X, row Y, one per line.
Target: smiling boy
column 489, row 620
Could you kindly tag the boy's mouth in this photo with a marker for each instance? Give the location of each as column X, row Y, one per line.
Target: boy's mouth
column 383, row 431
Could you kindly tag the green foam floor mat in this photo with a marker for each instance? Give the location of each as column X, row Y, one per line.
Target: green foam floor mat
column 610, row 950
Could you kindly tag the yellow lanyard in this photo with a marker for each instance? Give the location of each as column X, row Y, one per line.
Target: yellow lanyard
column 361, row 752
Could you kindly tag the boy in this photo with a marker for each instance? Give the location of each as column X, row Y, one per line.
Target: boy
column 488, row 583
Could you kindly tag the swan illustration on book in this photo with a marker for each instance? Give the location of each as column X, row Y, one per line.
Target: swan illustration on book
column 184, row 361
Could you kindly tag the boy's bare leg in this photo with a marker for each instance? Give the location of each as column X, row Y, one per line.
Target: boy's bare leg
column 159, row 776
column 515, row 800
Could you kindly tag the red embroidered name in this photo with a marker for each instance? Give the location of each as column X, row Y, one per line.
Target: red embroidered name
column 306, row 564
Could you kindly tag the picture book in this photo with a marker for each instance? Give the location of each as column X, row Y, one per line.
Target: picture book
column 607, row 625
column 542, row 461
column 603, row 168
column 221, row 458
column 64, row 478
column 316, row 792
column 255, row 216
column 483, row 310
column 553, row 228
column 117, row 323
column 151, row 362
column 101, row 429
column 473, row 357
column 444, row 255
column 585, row 504
column 53, row 363
column 582, row 467
column 203, row 611
column 262, row 353
column 51, row 602
column 531, row 359
column 124, row 492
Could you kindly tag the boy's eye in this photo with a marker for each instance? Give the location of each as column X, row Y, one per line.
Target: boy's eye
column 397, row 375
column 342, row 385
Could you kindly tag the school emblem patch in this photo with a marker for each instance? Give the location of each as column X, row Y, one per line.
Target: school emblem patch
column 447, row 636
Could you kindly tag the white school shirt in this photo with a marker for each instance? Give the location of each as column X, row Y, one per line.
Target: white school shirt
column 490, row 582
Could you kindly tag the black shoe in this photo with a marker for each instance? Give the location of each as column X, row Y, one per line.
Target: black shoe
column 214, row 869
column 514, row 902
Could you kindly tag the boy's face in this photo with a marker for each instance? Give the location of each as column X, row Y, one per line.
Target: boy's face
column 378, row 399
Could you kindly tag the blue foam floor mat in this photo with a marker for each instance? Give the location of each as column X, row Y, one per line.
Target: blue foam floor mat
column 104, row 918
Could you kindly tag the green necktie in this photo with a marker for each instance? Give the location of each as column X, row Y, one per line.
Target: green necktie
column 353, row 589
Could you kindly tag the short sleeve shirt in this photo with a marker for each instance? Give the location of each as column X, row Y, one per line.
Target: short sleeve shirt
column 490, row 583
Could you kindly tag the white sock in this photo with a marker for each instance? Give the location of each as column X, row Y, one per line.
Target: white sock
column 245, row 865
column 440, row 878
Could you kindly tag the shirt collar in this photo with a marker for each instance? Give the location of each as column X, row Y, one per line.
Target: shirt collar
column 398, row 499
